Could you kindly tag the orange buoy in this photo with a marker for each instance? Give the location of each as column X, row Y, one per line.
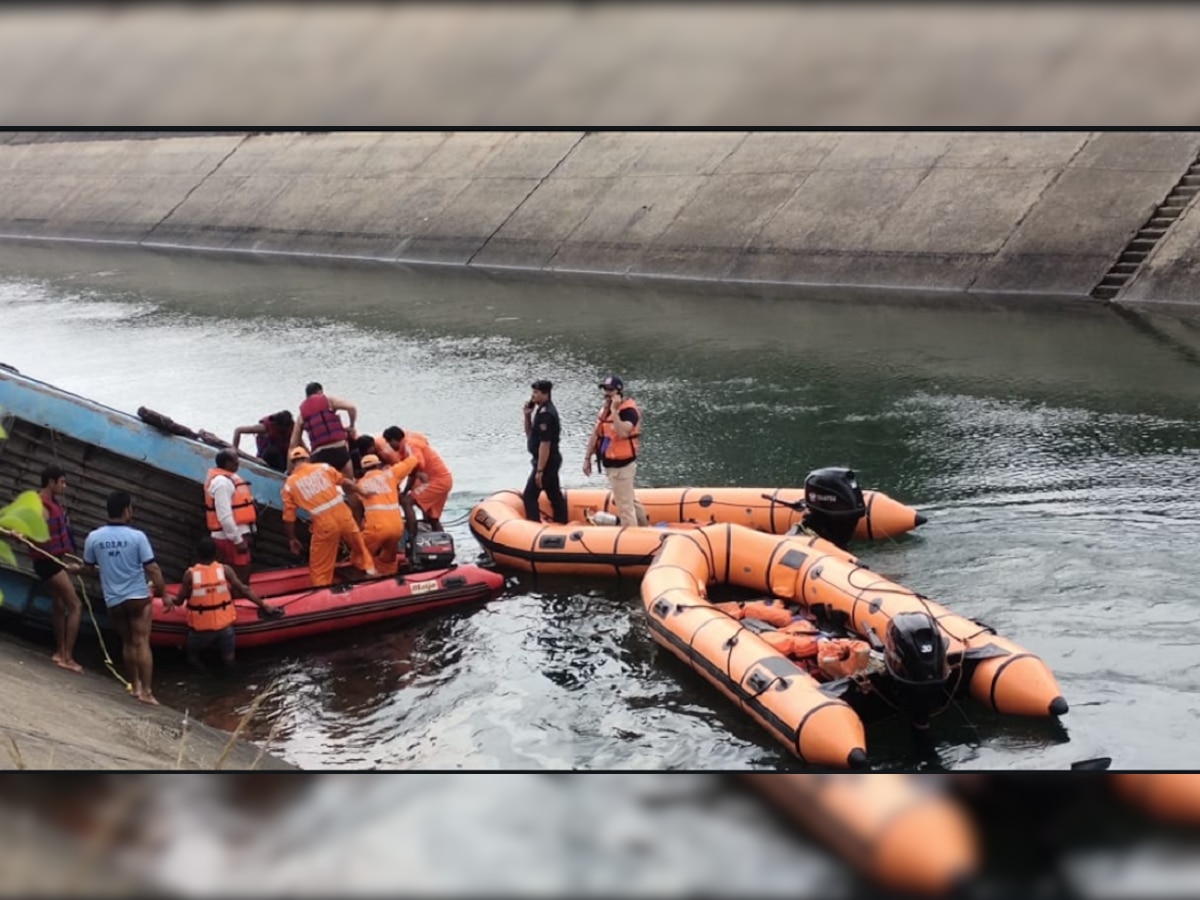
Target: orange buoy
column 894, row 829
column 499, row 524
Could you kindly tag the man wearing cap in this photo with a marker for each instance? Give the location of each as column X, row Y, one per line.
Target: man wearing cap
column 542, row 432
column 316, row 487
column 383, row 524
column 230, row 512
column 614, row 442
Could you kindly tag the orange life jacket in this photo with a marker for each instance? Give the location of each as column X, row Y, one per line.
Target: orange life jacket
column 244, row 511
column 764, row 610
column 312, row 487
column 840, row 657
column 210, row 607
column 611, row 445
column 799, row 640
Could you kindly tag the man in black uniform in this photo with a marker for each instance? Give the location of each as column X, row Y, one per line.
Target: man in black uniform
column 542, row 430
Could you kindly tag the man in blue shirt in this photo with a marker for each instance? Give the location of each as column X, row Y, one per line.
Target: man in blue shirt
column 124, row 559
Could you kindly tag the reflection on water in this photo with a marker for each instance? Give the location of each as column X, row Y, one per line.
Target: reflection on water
column 1053, row 451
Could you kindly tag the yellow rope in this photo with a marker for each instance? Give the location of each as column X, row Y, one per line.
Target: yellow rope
column 83, row 597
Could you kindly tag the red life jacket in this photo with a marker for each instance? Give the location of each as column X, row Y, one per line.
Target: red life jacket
column 321, row 422
column 61, row 540
column 272, row 437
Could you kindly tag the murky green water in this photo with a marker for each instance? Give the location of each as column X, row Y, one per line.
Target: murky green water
column 1053, row 452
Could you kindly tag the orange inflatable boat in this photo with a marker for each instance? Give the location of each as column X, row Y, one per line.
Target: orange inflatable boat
column 1168, row 796
column 830, row 504
column 894, row 829
column 928, row 652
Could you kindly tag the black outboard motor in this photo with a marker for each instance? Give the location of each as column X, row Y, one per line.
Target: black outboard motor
column 915, row 655
column 914, row 650
column 432, row 550
column 834, row 504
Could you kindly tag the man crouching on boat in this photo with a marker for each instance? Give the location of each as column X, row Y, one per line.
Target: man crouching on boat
column 387, row 515
column 316, row 488
column 207, row 592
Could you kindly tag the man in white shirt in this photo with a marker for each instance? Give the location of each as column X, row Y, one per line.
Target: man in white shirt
column 231, row 513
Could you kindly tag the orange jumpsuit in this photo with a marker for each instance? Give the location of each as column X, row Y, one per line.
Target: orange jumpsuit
column 316, row 488
column 385, row 452
column 383, row 523
column 430, row 495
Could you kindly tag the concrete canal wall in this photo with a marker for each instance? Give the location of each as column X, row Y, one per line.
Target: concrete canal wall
column 1044, row 213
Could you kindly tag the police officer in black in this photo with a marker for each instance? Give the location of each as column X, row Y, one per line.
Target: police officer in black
column 542, row 430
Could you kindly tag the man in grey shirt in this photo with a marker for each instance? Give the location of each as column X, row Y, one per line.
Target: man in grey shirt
column 123, row 557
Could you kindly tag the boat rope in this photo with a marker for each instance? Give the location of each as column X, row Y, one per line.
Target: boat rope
column 460, row 520
column 83, row 596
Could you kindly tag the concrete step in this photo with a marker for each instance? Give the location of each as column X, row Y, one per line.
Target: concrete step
column 1191, row 179
column 1133, row 256
column 1151, row 234
column 1141, row 244
column 1114, row 280
column 1170, row 210
column 1163, row 222
column 1125, row 268
column 1105, row 292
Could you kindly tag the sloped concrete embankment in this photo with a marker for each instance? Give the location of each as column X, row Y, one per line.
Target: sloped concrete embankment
column 1041, row 213
column 54, row 719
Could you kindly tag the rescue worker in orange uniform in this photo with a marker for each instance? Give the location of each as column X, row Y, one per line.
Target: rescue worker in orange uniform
column 431, row 482
column 384, row 524
column 614, row 443
column 207, row 590
column 230, row 513
column 316, row 488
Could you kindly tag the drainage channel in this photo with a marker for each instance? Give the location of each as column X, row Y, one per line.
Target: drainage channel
column 1148, row 236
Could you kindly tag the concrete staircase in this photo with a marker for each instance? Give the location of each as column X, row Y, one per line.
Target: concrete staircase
column 1148, row 236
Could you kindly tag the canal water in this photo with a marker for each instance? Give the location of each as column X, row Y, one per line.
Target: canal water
column 1053, row 451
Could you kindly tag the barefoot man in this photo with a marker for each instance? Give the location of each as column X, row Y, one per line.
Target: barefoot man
column 53, row 572
column 123, row 557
